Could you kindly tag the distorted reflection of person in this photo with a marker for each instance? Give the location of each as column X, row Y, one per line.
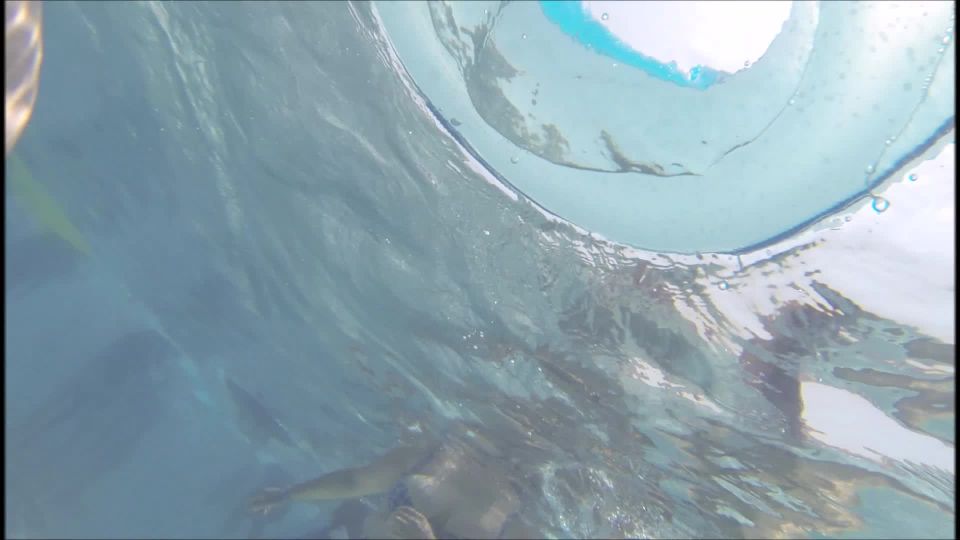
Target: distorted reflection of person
column 453, row 486
column 23, row 56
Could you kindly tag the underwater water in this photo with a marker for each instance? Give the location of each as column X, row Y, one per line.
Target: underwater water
column 245, row 247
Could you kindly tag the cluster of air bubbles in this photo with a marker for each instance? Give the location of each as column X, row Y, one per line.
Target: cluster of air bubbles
column 880, row 204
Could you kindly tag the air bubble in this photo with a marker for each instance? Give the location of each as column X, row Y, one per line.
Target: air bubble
column 946, row 40
column 912, row 178
column 605, row 16
column 792, row 102
column 880, row 204
column 888, row 142
column 723, row 285
column 870, row 169
column 514, row 160
column 746, row 63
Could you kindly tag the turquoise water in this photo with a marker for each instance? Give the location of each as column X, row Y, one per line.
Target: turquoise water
column 574, row 20
column 610, row 140
column 246, row 247
column 893, row 516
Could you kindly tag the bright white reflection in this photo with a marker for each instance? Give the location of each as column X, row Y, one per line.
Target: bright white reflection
column 847, row 421
column 723, row 35
column 900, row 264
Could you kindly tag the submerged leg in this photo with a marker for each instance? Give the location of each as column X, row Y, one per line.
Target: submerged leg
column 376, row 478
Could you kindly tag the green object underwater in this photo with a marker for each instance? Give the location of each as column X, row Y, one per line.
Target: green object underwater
column 38, row 202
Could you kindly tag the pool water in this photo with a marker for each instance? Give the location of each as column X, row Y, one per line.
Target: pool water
column 251, row 243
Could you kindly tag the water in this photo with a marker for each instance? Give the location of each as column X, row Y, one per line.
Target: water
column 242, row 252
column 628, row 146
